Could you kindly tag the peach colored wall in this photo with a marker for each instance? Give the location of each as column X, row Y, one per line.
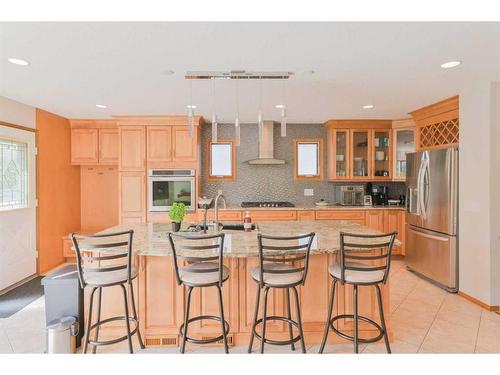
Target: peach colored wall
column 58, row 188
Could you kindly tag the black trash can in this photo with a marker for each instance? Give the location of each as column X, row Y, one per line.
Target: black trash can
column 64, row 297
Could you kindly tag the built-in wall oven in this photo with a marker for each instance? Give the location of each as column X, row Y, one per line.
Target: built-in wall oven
column 168, row 186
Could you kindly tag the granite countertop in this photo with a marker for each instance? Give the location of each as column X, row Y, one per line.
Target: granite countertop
column 151, row 239
column 332, row 207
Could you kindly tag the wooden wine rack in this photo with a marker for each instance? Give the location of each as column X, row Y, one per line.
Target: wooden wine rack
column 439, row 135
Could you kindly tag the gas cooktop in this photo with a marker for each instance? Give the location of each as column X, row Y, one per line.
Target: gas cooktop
column 266, row 204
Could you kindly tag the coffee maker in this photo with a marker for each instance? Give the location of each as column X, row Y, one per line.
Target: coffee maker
column 380, row 194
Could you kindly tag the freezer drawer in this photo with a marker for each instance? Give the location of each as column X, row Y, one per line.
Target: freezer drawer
column 433, row 255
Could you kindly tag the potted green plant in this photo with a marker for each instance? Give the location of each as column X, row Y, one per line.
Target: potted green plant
column 176, row 214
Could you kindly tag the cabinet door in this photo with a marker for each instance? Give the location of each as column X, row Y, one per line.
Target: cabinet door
column 382, row 155
column 159, row 140
column 394, row 220
column 338, row 154
column 360, row 154
column 84, row 146
column 273, row 215
column 375, row 219
column 108, row 146
column 132, row 144
column 132, row 193
column 404, row 142
column 183, row 144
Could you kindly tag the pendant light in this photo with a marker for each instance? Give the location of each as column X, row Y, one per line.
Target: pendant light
column 214, row 115
column 191, row 108
column 283, row 109
column 260, row 120
column 237, row 120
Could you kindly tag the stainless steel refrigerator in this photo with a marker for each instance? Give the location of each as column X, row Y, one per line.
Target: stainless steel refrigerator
column 432, row 216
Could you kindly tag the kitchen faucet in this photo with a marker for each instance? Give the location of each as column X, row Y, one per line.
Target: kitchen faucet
column 216, row 207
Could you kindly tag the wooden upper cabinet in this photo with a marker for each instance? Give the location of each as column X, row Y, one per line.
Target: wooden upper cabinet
column 183, row 144
column 359, row 150
column 132, row 148
column 159, row 143
column 338, row 154
column 84, row 146
column 403, row 142
column 94, row 142
column 108, row 146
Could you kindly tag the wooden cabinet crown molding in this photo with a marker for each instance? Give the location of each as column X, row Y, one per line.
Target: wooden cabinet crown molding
column 157, row 120
column 404, row 123
column 436, row 109
column 93, row 124
column 359, row 124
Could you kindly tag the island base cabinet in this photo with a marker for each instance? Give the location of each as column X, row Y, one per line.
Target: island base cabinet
column 161, row 302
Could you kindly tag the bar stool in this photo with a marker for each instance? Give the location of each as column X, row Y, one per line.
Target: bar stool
column 277, row 270
column 105, row 260
column 365, row 270
column 204, row 255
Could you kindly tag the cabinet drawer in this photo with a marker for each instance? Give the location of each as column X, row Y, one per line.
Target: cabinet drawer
column 358, row 216
column 225, row 215
column 306, row 215
column 273, row 215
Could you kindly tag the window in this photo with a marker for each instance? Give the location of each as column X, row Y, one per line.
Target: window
column 308, row 159
column 222, row 158
column 13, row 175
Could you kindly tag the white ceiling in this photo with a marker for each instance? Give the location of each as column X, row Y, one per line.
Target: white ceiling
column 394, row 66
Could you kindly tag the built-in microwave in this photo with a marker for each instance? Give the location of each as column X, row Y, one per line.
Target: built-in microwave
column 168, row 186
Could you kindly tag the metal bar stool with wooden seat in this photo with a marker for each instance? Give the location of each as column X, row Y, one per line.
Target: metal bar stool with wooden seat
column 105, row 260
column 204, row 255
column 361, row 269
column 278, row 258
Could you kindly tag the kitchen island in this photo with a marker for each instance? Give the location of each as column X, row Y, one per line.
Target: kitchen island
column 161, row 300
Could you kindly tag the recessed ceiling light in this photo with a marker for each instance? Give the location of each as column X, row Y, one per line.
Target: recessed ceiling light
column 192, row 106
column 450, row 64
column 101, row 106
column 368, row 106
column 16, row 61
column 280, row 106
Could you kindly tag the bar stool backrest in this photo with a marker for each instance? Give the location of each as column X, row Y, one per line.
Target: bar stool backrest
column 286, row 250
column 351, row 244
column 198, row 248
column 101, row 253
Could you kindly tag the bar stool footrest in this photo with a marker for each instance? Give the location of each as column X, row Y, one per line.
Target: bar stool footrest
column 362, row 318
column 277, row 342
column 117, row 340
column 205, row 341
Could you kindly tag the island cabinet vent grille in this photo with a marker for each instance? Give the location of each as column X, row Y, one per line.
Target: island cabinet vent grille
column 162, row 341
column 439, row 135
column 230, row 340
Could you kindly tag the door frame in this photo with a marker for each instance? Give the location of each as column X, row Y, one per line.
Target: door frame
column 35, row 131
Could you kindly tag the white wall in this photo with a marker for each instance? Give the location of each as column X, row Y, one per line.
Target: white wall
column 17, row 113
column 479, row 184
column 495, row 193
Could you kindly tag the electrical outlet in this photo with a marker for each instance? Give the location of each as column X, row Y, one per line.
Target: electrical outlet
column 308, row 192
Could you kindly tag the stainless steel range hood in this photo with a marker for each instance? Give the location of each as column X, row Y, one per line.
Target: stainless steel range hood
column 266, row 147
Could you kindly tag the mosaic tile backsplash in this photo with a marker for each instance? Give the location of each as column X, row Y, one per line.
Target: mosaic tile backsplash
column 273, row 182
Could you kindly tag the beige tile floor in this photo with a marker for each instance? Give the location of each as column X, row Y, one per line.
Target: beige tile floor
column 425, row 319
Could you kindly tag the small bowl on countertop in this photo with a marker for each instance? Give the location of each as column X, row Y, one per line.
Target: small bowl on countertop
column 322, row 203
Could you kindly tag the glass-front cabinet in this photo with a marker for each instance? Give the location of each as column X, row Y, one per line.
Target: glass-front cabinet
column 360, row 145
column 404, row 142
column 368, row 150
column 381, row 154
column 338, row 154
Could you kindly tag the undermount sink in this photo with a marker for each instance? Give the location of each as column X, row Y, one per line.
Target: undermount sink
column 226, row 226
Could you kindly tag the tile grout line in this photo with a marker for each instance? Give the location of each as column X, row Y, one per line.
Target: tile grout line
column 478, row 328
column 430, row 326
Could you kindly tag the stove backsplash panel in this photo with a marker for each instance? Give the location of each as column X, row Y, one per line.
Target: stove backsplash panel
column 274, row 182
